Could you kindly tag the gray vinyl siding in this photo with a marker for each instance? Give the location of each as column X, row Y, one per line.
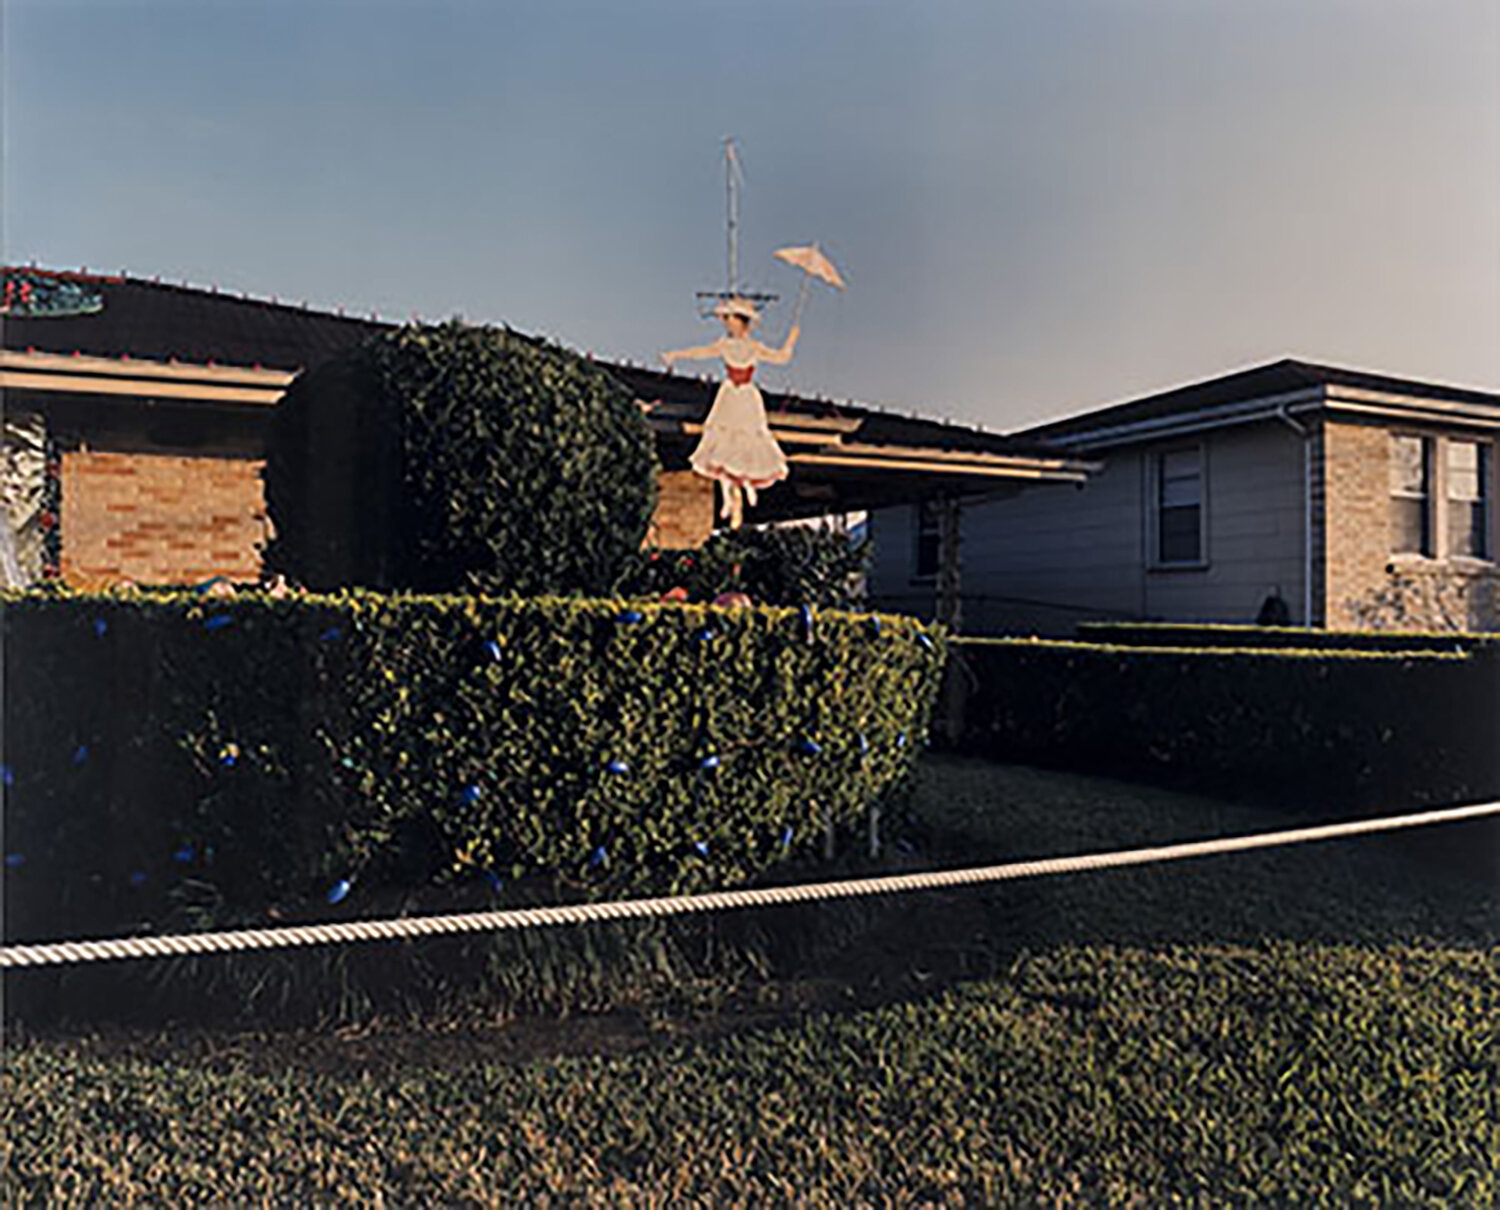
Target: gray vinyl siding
column 1057, row 554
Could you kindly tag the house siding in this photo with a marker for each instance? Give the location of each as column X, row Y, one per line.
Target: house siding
column 1058, row 554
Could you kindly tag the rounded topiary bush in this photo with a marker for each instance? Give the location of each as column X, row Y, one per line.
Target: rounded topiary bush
column 458, row 458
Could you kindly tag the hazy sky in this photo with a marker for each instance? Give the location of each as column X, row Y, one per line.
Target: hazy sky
column 1040, row 206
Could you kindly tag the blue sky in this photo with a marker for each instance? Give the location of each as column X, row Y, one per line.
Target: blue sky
column 1040, row 207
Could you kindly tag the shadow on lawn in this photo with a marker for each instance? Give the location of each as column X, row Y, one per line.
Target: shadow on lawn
column 623, row 986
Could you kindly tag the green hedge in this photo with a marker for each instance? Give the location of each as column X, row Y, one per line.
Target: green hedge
column 180, row 760
column 1361, row 729
column 1185, row 634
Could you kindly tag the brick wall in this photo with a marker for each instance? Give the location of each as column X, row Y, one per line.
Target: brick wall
column 157, row 519
column 1364, row 585
column 684, row 516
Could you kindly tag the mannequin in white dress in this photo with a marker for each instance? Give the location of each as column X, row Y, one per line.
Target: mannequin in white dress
column 737, row 448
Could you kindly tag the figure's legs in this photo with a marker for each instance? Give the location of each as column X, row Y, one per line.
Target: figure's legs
column 737, row 515
column 726, row 494
column 750, row 496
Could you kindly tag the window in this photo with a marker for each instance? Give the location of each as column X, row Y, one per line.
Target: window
column 1468, row 499
column 926, row 531
column 1179, row 506
column 1411, row 494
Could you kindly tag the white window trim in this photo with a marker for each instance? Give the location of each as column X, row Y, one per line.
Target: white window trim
column 1152, row 471
column 1440, row 527
column 1435, row 451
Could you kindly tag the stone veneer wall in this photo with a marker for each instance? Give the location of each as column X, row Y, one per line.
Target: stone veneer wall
column 1365, row 587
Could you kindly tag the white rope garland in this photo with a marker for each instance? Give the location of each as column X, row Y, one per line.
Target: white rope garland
column 59, row 952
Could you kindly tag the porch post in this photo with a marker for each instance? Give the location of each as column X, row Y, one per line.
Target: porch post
column 950, row 720
column 949, row 601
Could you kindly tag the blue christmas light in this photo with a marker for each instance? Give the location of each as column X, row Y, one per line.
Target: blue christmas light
column 700, row 847
column 786, row 836
column 471, row 795
column 492, row 648
column 7, row 775
column 138, row 878
column 864, row 744
column 14, row 861
column 925, row 641
column 339, row 891
column 183, row 855
column 100, row 627
column 901, row 739
column 217, row 622
column 332, row 634
column 598, row 857
column 711, row 761
column 629, row 617
column 875, row 626
column 496, row 883
column 80, row 754
column 618, row 767
column 805, row 614
column 809, row 747
column 229, row 756
column 706, row 635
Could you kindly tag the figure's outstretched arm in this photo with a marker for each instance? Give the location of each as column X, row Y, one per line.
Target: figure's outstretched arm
column 779, row 357
column 696, row 353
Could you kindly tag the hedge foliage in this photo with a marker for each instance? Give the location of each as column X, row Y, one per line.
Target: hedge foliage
column 1364, row 729
column 1213, row 1075
column 795, row 565
column 175, row 758
column 454, row 458
column 1182, row 634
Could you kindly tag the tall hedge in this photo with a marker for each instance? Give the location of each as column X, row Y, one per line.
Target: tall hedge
column 179, row 761
column 456, row 458
column 1361, row 729
column 1217, row 635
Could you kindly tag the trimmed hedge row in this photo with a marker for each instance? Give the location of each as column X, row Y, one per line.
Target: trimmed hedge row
column 177, row 759
column 1187, row 634
column 1371, row 730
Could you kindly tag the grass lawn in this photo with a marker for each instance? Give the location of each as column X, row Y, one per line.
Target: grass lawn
column 1309, row 1022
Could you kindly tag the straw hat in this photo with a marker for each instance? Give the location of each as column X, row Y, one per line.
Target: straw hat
column 742, row 307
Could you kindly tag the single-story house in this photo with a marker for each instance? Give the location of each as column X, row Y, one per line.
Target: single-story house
column 1360, row 500
column 135, row 418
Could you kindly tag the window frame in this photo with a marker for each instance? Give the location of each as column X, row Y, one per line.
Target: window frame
column 1155, row 463
column 1431, row 494
column 921, row 512
column 1485, row 480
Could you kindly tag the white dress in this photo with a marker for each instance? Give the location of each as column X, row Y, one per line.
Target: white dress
column 737, row 445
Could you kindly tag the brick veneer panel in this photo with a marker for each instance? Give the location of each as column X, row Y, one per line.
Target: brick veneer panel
column 1364, row 586
column 684, row 516
column 158, row 519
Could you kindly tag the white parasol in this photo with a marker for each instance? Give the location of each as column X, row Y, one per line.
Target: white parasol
column 813, row 263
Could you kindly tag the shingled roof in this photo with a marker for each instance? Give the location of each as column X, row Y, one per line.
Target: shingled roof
column 1275, row 379
column 159, row 322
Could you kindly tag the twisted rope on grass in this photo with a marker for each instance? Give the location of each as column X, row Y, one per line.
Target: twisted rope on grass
column 60, row 952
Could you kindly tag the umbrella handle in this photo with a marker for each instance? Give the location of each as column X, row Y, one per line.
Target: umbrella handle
column 801, row 298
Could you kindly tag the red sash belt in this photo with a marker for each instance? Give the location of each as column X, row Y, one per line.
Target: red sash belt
column 740, row 375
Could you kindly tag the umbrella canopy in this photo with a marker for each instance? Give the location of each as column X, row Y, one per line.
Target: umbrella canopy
column 811, row 261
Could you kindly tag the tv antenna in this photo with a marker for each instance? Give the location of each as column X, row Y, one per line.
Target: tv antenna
column 733, row 179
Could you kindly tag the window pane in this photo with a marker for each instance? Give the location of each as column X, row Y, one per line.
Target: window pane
column 1408, row 465
column 1179, row 464
column 1463, row 471
column 1178, row 537
column 1408, row 525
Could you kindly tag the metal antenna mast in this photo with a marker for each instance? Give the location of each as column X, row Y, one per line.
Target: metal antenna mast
column 731, row 175
column 733, row 178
